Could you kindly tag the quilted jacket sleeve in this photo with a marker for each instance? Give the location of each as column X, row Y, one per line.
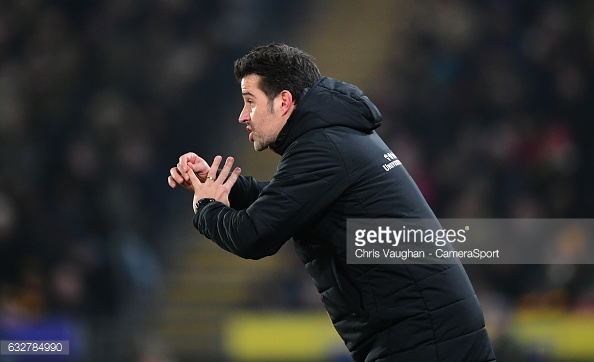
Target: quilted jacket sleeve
column 245, row 192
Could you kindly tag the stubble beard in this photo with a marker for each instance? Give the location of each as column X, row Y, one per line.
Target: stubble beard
column 262, row 145
column 269, row 140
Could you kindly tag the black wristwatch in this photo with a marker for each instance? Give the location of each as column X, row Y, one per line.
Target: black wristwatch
column 203, row 202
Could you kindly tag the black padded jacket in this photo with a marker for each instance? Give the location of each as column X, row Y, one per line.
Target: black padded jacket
column 331, row 169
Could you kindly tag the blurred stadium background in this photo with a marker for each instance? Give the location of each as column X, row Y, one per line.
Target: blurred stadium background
column 487, row 103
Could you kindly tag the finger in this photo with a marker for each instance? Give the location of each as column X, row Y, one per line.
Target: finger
column 201, row 168
column 194, row 181
column 194, row 162
column 212, row 173
column 197, row 163
column 226, row 169
column 233, row 178
column 181, row 164
column 171, row 182
column 190, row 165
column 175, row 174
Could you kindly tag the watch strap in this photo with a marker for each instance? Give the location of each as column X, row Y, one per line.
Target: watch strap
column 203, row 202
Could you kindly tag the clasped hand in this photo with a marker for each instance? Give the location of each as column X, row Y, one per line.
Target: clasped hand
column 193, row 173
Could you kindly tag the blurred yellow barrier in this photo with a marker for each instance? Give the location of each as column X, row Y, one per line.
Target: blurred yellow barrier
column 282, row 336
column 309, row 336
column 561, row 335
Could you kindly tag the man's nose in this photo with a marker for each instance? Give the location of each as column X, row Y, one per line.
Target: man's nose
column 244, row 116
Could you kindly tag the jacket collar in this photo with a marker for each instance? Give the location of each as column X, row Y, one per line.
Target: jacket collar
column 328, row 102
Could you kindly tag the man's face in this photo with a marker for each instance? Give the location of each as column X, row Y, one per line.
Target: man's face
column 261, row 116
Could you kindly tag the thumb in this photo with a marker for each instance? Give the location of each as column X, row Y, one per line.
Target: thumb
column 201, row 168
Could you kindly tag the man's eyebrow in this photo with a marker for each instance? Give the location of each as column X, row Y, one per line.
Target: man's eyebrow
column 246, row 93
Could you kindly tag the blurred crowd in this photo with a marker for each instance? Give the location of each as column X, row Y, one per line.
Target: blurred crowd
column 487, row 104
column 98, row 99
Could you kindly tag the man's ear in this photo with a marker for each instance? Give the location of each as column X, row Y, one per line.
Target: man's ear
column 287, row 104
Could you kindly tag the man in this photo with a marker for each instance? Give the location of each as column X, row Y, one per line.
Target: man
column 331, row 170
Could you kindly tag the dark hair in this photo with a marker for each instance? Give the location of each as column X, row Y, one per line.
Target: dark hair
column 280, row 67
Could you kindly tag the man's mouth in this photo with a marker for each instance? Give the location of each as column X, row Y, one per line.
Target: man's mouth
column 251, row 136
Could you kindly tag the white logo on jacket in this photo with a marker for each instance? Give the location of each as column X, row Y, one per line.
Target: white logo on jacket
column 394, row 161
